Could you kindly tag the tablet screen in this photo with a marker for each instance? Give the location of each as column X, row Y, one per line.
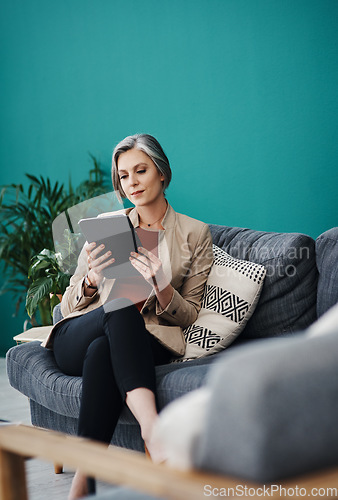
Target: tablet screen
column 117, row 233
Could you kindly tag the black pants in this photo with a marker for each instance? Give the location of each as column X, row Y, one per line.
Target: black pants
column 114, row 354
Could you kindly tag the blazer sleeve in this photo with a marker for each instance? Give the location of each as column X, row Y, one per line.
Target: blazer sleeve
column 74, row 298
column 185, row 304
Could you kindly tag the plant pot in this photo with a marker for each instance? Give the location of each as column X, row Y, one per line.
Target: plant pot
column 58, row 295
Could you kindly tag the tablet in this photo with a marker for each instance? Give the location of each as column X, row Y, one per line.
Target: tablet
column 118, row 235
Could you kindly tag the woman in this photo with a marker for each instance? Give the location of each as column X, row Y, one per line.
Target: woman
column 115, row 331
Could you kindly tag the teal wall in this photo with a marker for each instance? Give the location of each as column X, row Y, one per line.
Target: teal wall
column 241, row 93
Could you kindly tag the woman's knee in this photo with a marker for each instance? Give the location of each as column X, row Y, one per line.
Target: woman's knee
column 123, row 313
column 124, row 323
column 98, row 350
column 117, row 305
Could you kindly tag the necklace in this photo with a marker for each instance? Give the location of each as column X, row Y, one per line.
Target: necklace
column 149, row 225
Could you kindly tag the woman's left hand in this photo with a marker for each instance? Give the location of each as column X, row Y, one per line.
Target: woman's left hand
column 150, row 267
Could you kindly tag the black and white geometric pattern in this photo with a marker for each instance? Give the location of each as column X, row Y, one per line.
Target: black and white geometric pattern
column 250, row 270
column 229, row 299
column 201, row 336
column 224, row 302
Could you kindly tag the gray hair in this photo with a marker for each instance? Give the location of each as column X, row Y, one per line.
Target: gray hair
column 151, row 147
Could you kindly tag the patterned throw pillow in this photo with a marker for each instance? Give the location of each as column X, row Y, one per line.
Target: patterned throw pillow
column 230, row 297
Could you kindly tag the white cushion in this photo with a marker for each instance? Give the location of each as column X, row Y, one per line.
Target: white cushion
column 230, row 297
column 179, row 426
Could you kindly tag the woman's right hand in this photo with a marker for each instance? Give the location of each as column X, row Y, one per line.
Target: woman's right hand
column 97, row 262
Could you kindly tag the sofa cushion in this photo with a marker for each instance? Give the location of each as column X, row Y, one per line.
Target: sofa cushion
column 126, row 435
column 33, row 371
column 273, row 410
column 288, row 300
column 327, row 263
column 230, row 296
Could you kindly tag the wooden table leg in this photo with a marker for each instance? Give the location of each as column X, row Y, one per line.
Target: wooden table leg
column 12, row 476
column 58, row 468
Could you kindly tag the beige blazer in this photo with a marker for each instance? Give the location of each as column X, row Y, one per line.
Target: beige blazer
column 185, row 249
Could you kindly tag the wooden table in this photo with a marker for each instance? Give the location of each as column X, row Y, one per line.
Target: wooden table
column 39, row 333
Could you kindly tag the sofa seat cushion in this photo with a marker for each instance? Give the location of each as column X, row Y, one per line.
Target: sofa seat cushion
column 33, row 371
column 288, row 300
column 273, row 409
column 327, row 263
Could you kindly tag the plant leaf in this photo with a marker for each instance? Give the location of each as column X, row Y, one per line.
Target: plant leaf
column 36, row 293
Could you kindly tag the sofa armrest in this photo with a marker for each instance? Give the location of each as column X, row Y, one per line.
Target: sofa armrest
column 273, row 409
column 57, row 314
column 326, row 259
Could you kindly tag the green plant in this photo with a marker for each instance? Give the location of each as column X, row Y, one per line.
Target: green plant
column 26, row 217
column 49, row 281
column 89, row 188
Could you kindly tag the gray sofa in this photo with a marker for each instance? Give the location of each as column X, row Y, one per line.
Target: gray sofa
column 301, row 280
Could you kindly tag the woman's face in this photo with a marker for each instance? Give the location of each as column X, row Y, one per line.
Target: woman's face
column 139, row 177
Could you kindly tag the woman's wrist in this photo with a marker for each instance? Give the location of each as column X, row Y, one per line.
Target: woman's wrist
column 165, row 296
column 89, row 282
column 89, row 287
